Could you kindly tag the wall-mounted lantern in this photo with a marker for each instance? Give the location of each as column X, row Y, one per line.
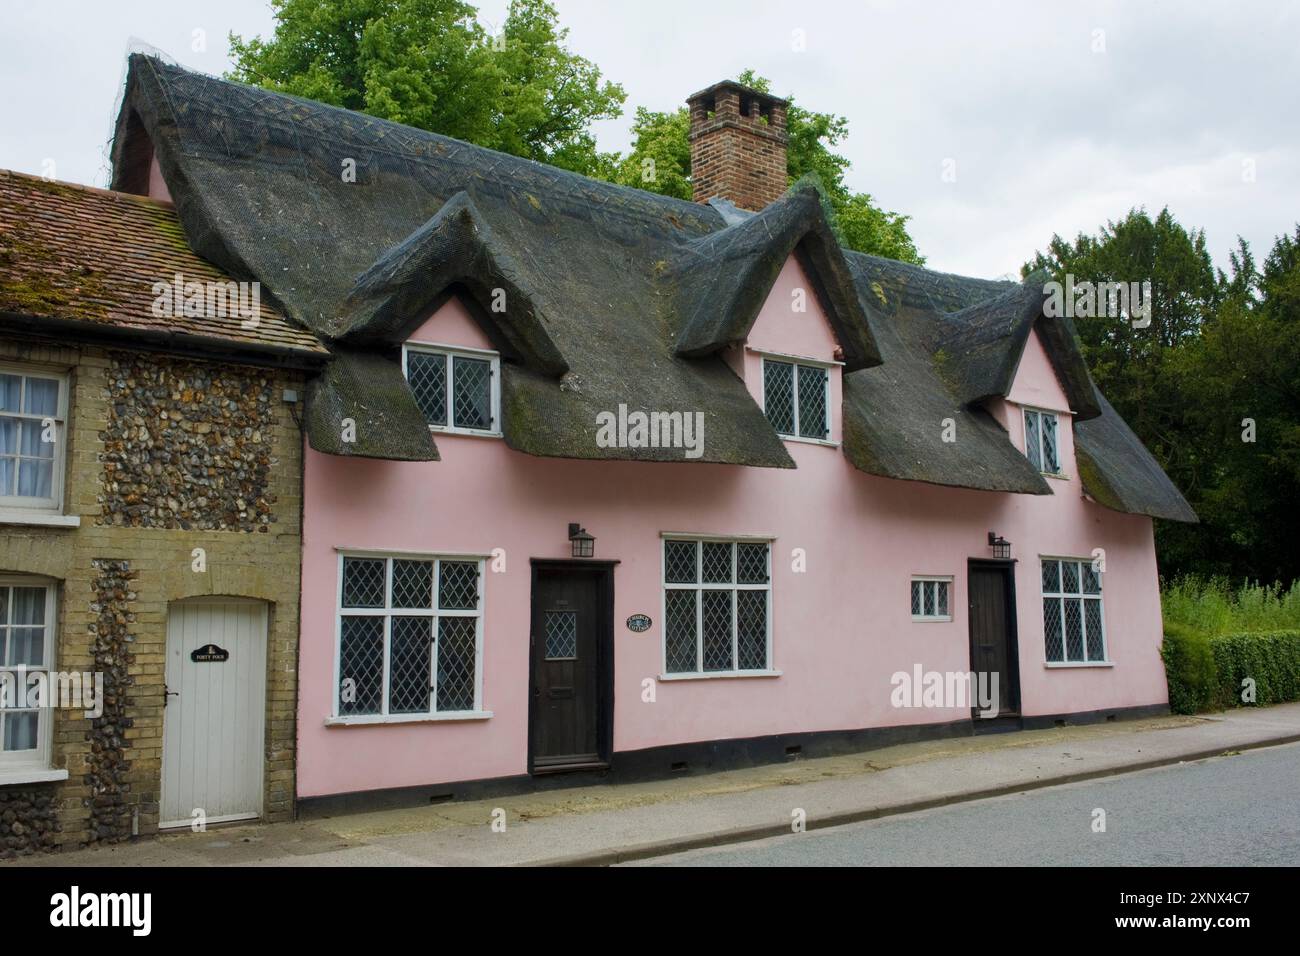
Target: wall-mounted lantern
column 1001, row 546
column 584, row 545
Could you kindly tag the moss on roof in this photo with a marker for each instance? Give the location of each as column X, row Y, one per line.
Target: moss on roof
column 34, row 282
column 87, row 256
column 1117, row 471
column 615, row 296
column 360, row 407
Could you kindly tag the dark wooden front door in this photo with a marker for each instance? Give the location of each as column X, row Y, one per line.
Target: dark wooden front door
column 571, row 646
column 993, row 631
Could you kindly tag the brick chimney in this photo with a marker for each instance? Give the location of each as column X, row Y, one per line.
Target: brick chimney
column 738, row 145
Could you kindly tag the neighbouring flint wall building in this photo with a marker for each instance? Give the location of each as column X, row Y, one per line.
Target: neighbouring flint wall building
column 169, row 434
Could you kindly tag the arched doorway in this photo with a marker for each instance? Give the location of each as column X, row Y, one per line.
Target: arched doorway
column 214, row 714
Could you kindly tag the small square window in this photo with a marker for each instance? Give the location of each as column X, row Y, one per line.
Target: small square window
column 457, row 390
column 931, row 599
column 796, row 399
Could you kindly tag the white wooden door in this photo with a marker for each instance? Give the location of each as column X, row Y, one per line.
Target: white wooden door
column 216, row 710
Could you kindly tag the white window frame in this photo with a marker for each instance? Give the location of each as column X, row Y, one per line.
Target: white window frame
column 52, row 505
column 1060, row 597
column 38, row 760
column 700, row 586
column 796, row 361
column 388, row 612
column 1041, row 413
column 494, row 385
column 936, row 580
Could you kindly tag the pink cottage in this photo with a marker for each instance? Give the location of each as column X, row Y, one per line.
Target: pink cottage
column 606, row 483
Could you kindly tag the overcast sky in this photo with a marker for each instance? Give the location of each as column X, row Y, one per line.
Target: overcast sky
column 1056, row 117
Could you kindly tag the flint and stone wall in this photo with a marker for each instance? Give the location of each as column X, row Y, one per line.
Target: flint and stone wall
column 164, row 455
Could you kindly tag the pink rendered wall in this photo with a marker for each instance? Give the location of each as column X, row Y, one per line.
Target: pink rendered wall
column 157, row 185
column 840, row 629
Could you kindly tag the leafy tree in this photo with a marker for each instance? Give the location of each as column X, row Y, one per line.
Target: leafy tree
column 1221, row 349
column 1240, row 383
column 1130, row 364
column 429, row 64
column 660, row 160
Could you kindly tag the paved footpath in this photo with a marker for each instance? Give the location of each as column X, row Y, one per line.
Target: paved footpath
column 616, row 823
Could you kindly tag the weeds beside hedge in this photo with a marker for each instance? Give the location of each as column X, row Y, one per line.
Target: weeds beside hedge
column 1217, row 637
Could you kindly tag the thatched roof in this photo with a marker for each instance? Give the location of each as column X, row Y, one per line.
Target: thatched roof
column 722, row 279
column 895, row 415
column 1118, row 472
column 614, row 296
column 360, row 406
column 985, row 342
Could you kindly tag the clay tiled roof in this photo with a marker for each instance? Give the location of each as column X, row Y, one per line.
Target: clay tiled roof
column 92, row 256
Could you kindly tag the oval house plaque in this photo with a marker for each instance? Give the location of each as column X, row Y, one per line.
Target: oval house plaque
column 638, row 623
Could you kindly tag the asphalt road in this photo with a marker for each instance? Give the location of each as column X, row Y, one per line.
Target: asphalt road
column 1240, row 810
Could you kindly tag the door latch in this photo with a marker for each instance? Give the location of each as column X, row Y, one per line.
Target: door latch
column 169, row 693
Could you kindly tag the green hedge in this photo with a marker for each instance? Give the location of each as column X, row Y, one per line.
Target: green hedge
column 1206, row 672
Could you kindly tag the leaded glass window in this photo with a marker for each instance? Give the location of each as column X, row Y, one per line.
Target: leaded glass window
column 1041, row 442
column 931, row 599
column 796, row 399
column 1074, row 629
column 717, row 604
column 410, row 633
column 456, row 391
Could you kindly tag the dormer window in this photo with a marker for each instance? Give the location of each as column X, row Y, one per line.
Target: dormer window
column 458, row 389
column 796, row 399
column 1041, row 443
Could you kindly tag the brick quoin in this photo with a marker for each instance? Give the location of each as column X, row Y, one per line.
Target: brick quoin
column 738, row 145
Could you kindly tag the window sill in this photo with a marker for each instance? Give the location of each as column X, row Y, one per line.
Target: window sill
column 790, row 357
column 39, row 519
column 717, row 675
column 31, row 775
column 381, row 720
column 932, row 620
column 1069, row 665
column 1058, row 475
column 800, row 439
column 467, row 432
